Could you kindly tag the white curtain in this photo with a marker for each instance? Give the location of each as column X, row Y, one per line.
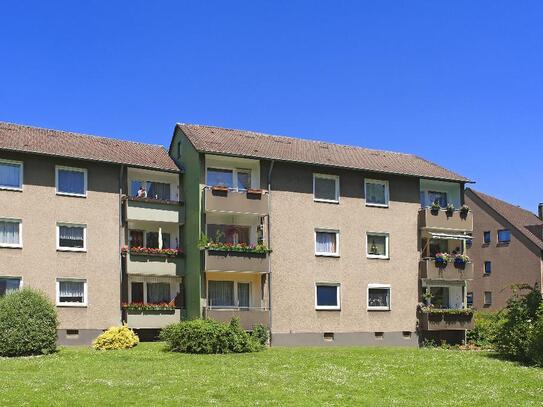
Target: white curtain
column 10, row 175
column 71, row 236
column 158, row 292
column 326, row 242
column 71, row 291
column 72, row 182
column 221, row 293
column 9, row 232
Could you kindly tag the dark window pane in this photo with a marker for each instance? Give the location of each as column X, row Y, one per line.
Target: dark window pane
column 71, row 182
column 504, row 236
column 137, row 292
column 488, row 267
column 469, row 299
column 440, row 297
column 217, row 177
column 158, row 190
column 378, row 297
column 376, row 193
column 221, row 293
column 8, row 285
column 327, row 295
column 486, row 237
column 228, row 234
column 10, row 175
column 325, row 188
column 71, row 236
column 152, row 240
column 439, row 197
column 244, row 180
column 136, row 238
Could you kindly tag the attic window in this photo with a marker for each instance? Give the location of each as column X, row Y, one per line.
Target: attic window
column 281, row 141
column 325, row 147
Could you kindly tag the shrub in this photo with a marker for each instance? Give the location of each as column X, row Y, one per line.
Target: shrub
column 28, row 324
column 260, row 334
column 208, row 336
column 486, row 325
column 117, row 337
column 535, row 350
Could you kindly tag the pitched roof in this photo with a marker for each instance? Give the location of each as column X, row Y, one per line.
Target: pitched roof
column 28, row 139
column 244, row 143
column 525, row 221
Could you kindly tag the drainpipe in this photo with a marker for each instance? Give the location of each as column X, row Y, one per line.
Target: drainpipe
column 121, row 231
column 270, row 245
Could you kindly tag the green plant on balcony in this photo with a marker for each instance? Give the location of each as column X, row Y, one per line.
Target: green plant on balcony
column 205, row 244
column 460, row 261
column 149, row 251
column 140, row 306
column 435, row 207
column 450, row 209
column 464, row 210
column 428, row 309
column 441, row 260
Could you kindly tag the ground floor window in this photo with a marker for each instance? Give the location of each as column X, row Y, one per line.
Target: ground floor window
column 378, row 297
column 229, row 294
column 488, row 298
column 71, row 292
column 327, row 296
column 8, row 285
column 156, row 291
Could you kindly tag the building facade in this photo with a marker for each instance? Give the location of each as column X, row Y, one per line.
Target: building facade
column 324, row 244
column 507, row 250
column 68, row 207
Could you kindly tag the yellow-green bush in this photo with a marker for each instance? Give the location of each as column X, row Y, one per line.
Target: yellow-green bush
column 117, row 337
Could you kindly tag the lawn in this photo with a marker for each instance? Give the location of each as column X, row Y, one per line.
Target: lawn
column 147, row 375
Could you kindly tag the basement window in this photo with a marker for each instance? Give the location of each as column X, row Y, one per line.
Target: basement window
column 328, row 336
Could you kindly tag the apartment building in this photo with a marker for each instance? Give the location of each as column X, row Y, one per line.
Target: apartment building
column 69, row 204
column 325, row 244
column 507, row 249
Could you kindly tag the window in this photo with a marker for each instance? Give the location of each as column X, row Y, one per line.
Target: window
column 71, row 237
column 377, row 245
column 327, row 296
column 488, row 267
column 244, row 180
column 440, row 297
column 486, row 237
column 11, row 175
column 136, row 238
column 8, row 285
column 137, row 292
column 152, row 240
column 488, row 298
column 504, row 236
column 469, row 300
column 244, row 295
column 438, row 246
column 325, row 188
column 71, row 181
column 221, row 293
column 158, row 190
column 10, row 233
column 378, row 297
column 439, row 197
column 72, row 293
column 228, row 233
column 376, row 193
column 158, row 293
column 326, row 243
column 220, row 177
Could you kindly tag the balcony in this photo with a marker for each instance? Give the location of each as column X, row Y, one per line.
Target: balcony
column 154, row 210
column 430, row 219
column 236, row 261
column 153, row 264
column 247, row 317
column 224, row 200
column 152, row 319
column 429, row 270
column 431, row 321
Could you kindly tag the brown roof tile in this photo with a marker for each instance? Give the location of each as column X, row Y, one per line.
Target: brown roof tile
column 525, row 221
column 16, row 137
column 244, row 143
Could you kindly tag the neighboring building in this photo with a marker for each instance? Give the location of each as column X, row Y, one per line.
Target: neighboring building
column 67, row 207
column 507, row 249
column 352, row 249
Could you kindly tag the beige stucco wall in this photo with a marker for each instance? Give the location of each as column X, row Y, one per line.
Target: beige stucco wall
column 518, row 262
column 40, row 264
column 295, row 268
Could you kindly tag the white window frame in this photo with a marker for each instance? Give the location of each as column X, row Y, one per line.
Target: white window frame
column 379, row 286
column 326, row 176
column 20, row 244
column 72, row 249
column 386, row 256
column 236, row 294
column 338, row 297
column 485, row 302
column 20, row 278
column 387, row 192
column 21, row 173
column 173, row 281
column 72, row 304
column 234, row 175
column 74, row 169
column 326, row 254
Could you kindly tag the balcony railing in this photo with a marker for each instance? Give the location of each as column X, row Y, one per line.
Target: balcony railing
column 248, row 317
column 225, row 200
column 153, row 264
column 441, row 219
column 455, row 320
column 152, row 319
column 154, row 210
column 236, row 261
column 428, row 269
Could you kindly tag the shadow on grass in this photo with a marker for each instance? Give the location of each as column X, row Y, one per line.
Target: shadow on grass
column 496, row 356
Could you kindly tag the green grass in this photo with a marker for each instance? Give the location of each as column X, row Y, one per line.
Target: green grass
column 147, row 375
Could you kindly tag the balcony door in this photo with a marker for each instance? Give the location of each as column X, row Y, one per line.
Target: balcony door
column 243, row 295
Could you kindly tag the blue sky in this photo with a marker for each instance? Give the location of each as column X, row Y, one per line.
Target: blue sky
column 459, row 83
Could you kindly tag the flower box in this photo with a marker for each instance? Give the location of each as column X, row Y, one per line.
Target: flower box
column 219, row 188
column 237, row 248
column 141, row 307
column 146, row 251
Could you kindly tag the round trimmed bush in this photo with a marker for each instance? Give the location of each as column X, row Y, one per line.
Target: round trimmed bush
column 117, row 337
column 28, row 324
